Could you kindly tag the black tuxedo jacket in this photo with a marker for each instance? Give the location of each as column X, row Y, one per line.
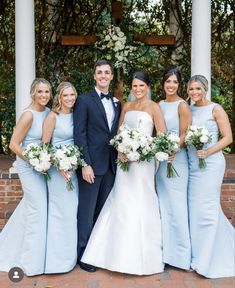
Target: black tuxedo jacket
column 91, row 131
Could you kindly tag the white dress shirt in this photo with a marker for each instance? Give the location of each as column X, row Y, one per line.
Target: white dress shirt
column 108, row 107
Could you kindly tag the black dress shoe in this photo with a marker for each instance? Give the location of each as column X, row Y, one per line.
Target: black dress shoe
column 87, row 267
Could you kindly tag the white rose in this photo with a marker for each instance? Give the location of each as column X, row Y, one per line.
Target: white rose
column 204, row 139
column 189, row 134
column 121, row 148
column 111, row 142
column 45, row 166
column 34, row 162
column 174, row 138
column 193, row 128
column 175, row 147
column 161, row 156
column 44, row 156
column 133, row 156
column 31, row 155
column 73, row 160
column 59, row 154
column 121, row 34
column 118, row 30
column 65, row 164
column 32, row 145
column 39, row 168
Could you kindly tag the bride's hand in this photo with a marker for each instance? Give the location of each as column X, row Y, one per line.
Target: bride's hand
column 122, row 157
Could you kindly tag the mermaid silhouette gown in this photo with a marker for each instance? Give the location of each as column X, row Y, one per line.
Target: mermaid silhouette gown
column 212, row 235
column 61, row 250
column 127, row 234
column 173, row 198
column 23, row 239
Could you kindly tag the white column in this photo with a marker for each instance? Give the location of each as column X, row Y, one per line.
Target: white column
column 25, row 52
column 24, row 55
column 201, row 40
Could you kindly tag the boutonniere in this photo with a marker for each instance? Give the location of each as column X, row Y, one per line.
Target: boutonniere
column 115, row 101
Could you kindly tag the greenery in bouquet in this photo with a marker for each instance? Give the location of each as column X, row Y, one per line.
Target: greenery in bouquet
column 39, row 157
column 197, row 137
column 167, row 144
column 136, row 145
column 67, row 158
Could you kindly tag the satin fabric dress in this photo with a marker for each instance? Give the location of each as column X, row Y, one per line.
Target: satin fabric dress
column 173, row 198
column 23, row 239
column 127, row 236
column 61, row 250
column 212, row 235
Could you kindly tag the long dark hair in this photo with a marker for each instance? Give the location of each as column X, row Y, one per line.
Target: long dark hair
column 169, row 72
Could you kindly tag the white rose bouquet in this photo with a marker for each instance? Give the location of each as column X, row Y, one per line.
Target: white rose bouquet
column 136, row 145
column 197, row 137
column 167, row 144
column 39, row 157
column 67, row 158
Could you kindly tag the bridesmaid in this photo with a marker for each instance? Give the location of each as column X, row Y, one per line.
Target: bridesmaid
column 212, row 235
column 172, row 192
column 23, row 239
column 61, row 250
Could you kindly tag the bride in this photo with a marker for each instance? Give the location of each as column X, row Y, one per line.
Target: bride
column 127, row 235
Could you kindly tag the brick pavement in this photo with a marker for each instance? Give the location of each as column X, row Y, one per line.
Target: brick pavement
column 171, row 278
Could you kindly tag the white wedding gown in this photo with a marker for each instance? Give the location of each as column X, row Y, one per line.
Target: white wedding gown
column 127, row 235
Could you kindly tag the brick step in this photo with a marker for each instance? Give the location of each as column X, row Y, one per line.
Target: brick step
column 6, row 210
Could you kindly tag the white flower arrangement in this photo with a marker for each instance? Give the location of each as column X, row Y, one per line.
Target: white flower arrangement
column 167, row 144
column 136, row 145
column 197, row 137
column 39, row 157
column 67, row 158
column 114, row 45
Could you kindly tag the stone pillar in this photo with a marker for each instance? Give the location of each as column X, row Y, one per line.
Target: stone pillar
column 24, row 55
column 25, row 52
column 201, row 40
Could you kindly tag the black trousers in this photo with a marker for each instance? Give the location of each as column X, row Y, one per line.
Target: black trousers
column 91, row 200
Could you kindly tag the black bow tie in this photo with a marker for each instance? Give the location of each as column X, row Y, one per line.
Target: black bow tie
column 107, row 96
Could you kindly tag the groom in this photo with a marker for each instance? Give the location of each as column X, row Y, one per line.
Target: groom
column 96, row 117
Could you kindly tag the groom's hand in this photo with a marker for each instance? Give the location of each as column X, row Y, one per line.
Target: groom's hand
column 88, row 174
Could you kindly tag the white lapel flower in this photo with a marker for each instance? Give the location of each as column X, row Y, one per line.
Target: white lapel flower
column 115, row 101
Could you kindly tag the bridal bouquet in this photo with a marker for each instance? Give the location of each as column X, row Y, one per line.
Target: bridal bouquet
column 198, row 137
column 39, row 157
column 136, row 145
column 167, row 144
column 67, row 158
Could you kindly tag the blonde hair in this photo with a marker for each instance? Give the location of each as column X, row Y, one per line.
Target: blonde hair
column 35, row 83
column 59, row 91
column 202, row 81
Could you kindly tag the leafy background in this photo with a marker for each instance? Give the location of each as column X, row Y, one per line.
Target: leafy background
column 55, row 62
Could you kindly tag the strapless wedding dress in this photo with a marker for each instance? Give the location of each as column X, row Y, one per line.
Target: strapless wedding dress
column 127, row 236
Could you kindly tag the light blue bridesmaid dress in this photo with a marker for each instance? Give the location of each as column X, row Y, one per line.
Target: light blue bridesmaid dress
column 172, row 193
column 61, row 251
column 23, row 239
column 212, row 235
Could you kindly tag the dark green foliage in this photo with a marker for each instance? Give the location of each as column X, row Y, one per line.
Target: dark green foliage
column 54, row 18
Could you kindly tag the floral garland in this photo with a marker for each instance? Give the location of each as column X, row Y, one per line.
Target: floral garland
column 114, row 47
